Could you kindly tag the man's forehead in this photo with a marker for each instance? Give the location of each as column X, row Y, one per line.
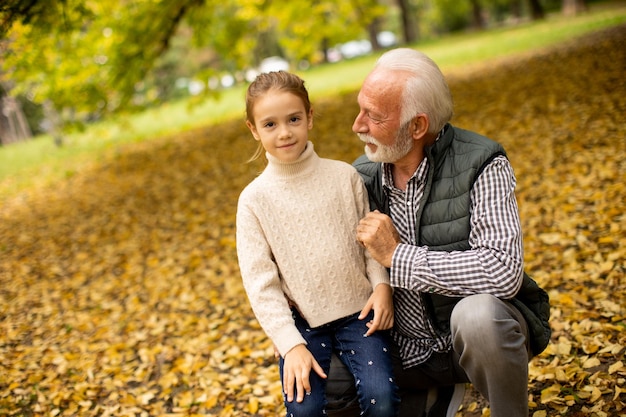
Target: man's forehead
column 382, row 86
column 384, row 81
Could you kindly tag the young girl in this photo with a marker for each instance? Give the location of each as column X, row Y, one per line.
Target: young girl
column 312, row 286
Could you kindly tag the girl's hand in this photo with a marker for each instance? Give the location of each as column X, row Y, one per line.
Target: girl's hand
column 296, row 370
column 381, row 301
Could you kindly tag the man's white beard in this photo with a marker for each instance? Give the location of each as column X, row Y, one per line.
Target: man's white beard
column 389, row 153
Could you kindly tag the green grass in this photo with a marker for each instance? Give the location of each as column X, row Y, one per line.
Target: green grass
column 25, row 163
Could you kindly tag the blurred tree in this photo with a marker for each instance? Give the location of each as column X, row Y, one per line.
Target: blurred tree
column 478, row 20
column 305, row 26
column 448, row 15
column 409, row 22
column 97, row 57
column 89, row 56
column 573, row 7
column 453, row 15
column 371, row 14
column 536, row 9
column 13, row 125
column 516, row 9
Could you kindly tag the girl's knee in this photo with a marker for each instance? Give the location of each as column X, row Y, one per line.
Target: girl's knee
column 312, row 405
column 384, row 402
column 383, row 408
column 305, row 408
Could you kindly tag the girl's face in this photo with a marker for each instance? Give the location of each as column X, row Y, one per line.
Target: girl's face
column 281, row 124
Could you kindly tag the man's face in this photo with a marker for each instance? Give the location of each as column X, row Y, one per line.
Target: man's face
column 378, row 121
column 379, row 152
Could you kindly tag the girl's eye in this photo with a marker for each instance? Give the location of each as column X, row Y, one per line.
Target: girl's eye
column 295, row 119
column 269, row 124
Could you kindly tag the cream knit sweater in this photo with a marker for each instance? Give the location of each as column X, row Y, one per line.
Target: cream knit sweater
column 296, row 240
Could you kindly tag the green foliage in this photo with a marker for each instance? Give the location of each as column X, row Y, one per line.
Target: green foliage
column 95, row 58
column 90, row 55
column 448, row 15
column 49, row 71
column 23, row 163
column 443, row 16
column 305, row 29
column 221, row 26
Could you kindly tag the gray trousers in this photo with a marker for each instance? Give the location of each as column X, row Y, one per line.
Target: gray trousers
column 490, row 350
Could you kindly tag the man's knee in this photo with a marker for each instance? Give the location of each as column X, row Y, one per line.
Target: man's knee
column 473, row 311
column 485, row 324
column 476, row 317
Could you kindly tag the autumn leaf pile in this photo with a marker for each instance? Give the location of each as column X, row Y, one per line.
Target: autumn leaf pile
column 119, row 286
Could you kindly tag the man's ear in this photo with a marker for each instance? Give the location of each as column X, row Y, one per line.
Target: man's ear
column 252, row 128
column 419, row 126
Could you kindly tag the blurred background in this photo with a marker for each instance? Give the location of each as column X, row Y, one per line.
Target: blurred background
column 67, row 63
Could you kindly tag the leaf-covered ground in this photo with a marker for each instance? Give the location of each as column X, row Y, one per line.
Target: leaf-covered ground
column 119, row 287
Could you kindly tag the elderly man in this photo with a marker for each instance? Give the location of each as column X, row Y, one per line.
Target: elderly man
column 445, row 222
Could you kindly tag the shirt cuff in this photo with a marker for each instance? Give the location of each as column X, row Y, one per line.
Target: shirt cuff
column 407, row 260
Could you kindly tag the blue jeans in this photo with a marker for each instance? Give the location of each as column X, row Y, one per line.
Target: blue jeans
column 367, row 358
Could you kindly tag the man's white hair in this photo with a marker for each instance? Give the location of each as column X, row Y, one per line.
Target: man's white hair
column 425, row 90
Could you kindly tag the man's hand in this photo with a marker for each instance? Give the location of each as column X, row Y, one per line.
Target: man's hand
column 296, row 370
column 379, row 236
column 382, row 302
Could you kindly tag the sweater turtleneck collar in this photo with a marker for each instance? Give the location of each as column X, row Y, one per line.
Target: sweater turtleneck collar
column 305, row 163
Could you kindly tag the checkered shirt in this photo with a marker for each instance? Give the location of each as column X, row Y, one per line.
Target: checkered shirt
column 493, row 265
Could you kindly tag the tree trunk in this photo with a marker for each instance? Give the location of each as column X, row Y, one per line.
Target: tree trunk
column 536, row 10
column 573, row 7
column 516, row 9
column 477, row 15
column 373, row 29
column 408, row 27
column 13, row 124
column 324, row 47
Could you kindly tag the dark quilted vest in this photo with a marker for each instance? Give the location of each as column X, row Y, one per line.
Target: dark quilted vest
column 456, row 160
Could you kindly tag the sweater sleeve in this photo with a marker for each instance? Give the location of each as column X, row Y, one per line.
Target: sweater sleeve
column 261, row 279
column 376, row 273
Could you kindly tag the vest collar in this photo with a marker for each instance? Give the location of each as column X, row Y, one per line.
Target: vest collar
column 442, row 143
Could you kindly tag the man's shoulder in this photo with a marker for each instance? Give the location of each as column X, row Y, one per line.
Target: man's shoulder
column 469, row 138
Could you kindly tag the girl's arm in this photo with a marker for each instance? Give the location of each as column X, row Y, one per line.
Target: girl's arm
column 381, row 300
column 261, row 280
